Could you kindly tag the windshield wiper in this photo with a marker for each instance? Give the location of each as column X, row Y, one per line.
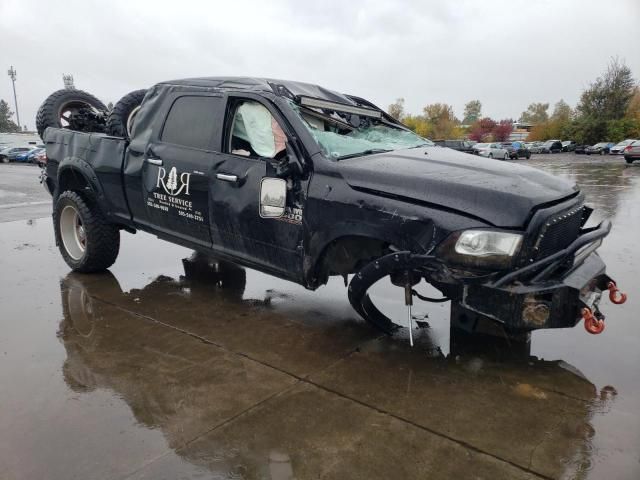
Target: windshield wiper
column 371, row 151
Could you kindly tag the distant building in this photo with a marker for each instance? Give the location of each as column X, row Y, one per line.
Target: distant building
column 520, row 131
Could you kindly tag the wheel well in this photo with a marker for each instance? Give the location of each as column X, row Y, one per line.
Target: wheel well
column 73, row 180
column 347, row 255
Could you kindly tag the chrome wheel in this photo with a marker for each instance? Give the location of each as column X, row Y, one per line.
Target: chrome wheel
column 130, row 120
column 73, row 233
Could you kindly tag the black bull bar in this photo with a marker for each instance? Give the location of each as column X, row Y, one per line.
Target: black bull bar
column 505, row 296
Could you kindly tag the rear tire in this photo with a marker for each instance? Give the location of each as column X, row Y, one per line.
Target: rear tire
column 5, row 160
column 57, row 109
column 121, row 118
column 491, row 155
column 506, row 156
column 629, row 160
column 87, row 241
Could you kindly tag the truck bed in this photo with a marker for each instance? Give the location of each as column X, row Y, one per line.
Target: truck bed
column 99, row 157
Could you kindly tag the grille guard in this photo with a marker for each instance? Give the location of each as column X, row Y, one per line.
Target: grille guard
column 554, row 261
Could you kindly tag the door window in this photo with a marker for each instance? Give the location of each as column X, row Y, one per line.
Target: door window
column 255, row 132
column 190, row 122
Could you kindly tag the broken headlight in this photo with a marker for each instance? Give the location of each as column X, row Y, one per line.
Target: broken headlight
column 481, row 248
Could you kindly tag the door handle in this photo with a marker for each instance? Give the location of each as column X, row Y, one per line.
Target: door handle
column 154, row 161
column 225, row 177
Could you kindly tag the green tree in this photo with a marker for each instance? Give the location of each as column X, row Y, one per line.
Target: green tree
column 6, row 124
column 396, row 109
column 561, row 111
column 535, row 113
column 472, row 112
column 608, row 97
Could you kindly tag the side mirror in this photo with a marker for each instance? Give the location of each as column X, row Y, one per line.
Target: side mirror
column 273, row 197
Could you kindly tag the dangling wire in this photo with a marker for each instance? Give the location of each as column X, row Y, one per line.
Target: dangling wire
column 429, row 299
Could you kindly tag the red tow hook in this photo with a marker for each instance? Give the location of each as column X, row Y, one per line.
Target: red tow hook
column 593, row 322
column 615, row 295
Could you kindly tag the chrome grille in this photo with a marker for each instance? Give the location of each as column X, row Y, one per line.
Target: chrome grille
column 558, row 232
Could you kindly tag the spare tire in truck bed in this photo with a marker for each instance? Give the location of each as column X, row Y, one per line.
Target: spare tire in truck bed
column 72, row 109
column 121, row 118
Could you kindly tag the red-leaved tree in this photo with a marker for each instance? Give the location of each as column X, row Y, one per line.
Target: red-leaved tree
column 502, row 130
column 481, row 129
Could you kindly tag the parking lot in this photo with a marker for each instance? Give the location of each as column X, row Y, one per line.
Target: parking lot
column 176, row 366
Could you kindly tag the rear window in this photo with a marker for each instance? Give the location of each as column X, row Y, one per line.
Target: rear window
column 190, row 122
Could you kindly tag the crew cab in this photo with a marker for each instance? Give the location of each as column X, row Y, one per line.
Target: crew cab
column 305, row 183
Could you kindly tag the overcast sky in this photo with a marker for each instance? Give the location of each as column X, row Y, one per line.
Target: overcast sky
column 507, row 54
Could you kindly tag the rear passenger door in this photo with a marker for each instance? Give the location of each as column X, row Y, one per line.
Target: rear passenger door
column 177, row 168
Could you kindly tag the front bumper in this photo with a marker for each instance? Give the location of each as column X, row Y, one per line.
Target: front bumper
column 548, row 293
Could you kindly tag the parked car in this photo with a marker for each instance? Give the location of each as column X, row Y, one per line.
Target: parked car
column 569, row 146
column 274, row 175
column 551, row 146
column 516, row 150
column 632, row 152
column 9, row 154
column 459, row 145
column 580, row 149
column 491, row 150
column 27, row 157
column 601, row 148
column 534, row 147
column 618, row 148
column 40, row 158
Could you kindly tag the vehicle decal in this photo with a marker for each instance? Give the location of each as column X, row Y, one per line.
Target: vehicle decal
column 174, row 185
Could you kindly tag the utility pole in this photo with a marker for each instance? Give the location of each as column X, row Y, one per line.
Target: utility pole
column 12, row 74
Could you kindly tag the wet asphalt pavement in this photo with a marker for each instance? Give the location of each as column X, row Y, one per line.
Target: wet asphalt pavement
column 174, row 366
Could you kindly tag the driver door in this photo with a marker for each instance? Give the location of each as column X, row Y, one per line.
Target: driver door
column 255, row 136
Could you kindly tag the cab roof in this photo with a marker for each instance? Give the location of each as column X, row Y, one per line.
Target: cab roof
column 255, row 84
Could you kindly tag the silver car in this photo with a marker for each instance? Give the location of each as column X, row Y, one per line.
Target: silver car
column 491, row 150
column 618, row 149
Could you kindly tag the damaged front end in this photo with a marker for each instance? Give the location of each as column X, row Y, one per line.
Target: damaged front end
column 548, row 276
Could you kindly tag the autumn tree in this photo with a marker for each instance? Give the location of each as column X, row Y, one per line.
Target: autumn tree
column 6, row 124
column 472, row 112
column 502, row 130
column 396, row 109
column 535, row 113
column 482, row 129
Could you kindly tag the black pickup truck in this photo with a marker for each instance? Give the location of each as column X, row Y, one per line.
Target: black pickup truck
column 304, row 183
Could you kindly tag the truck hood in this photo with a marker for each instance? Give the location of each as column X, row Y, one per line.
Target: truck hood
column 500, row 193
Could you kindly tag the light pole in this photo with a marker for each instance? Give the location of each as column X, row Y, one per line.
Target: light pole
column 12, row 74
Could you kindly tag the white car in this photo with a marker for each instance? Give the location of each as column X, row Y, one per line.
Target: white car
column 491, row 150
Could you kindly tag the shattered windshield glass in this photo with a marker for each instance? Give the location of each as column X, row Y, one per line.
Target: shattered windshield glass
column 344, row 135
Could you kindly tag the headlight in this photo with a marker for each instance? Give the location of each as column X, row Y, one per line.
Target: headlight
column 481, row 248
column 483, row 243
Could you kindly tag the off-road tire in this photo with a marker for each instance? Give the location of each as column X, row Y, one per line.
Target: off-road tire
column 49, row 112
column 102, row 237
column 120, row 119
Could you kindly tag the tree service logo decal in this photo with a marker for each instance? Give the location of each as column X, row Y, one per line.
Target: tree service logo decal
column 174, row 185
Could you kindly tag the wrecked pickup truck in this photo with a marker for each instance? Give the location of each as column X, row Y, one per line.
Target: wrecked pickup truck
column 304, row 183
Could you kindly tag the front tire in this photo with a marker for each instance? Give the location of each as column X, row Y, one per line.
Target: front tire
column 491, row 155
column 506, row 156
column 87, row 241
